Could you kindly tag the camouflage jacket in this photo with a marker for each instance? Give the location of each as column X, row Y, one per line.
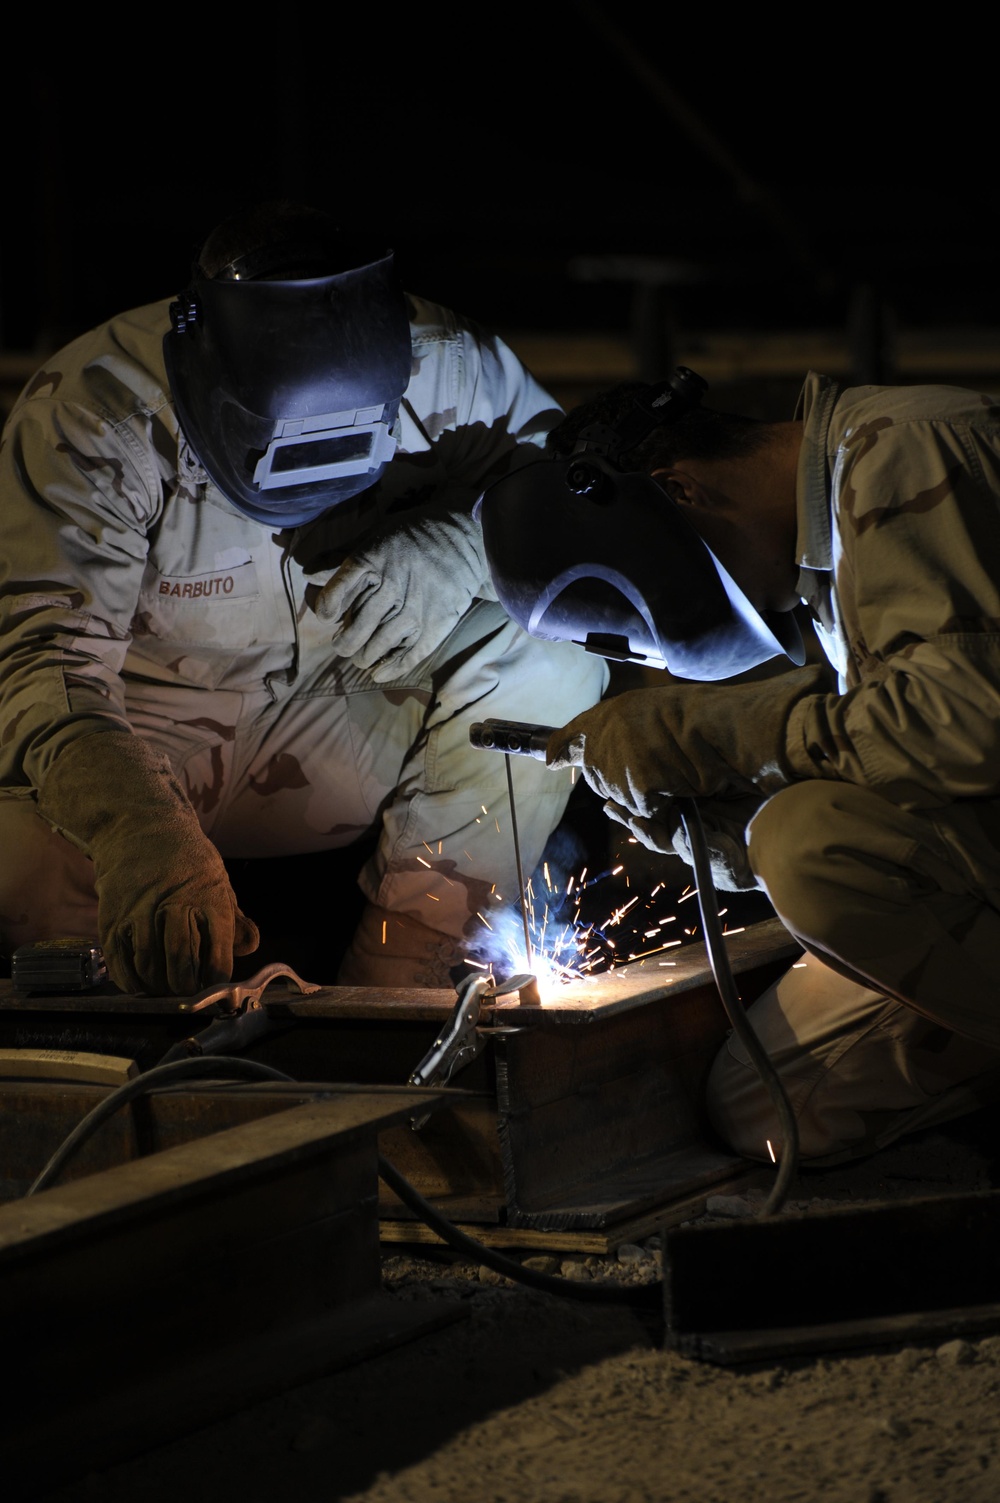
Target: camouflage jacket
column 899, row 551
column 119, row 558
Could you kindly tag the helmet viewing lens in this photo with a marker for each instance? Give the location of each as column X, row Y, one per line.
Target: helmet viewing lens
column 329, row 447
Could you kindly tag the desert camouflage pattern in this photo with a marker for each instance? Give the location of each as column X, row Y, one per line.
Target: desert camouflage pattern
column 899, row 491
column 884, row 861
column 890, row 1022
column 861, row 1070
column 133, row 592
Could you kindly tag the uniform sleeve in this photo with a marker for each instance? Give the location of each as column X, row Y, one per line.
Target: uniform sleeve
column 918, row 582
column 503, row 395
column 480, row 413
column 501, row 416
column 76, row 497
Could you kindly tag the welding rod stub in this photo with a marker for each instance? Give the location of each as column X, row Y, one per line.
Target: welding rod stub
column 517, row 738
column 528, row 995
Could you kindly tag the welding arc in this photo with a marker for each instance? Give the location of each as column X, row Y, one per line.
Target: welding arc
column 735, row 1011
column 643, row 1295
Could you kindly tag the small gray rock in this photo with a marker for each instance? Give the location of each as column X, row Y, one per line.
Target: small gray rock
column 955, row 1353
column 571, row 1269
column 541, row 1263
column 908, row 1359
column 728, row 1205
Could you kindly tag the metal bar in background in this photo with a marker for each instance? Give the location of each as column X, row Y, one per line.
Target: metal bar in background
column 882, row 1274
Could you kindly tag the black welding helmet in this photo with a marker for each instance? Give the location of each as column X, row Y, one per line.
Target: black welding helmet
column 287, row 371
column 582, row 551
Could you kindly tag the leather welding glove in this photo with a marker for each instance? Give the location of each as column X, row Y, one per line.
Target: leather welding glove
column 396, row 599
column 725, row 822
column 168, row 918
column 639, row 749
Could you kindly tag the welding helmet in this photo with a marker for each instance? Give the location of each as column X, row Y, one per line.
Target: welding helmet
column 287, row 368
column 581, row 550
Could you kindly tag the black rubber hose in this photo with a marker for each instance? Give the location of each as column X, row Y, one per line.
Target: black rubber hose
column 735, row 1011
column 221, row 1066
column 211, row 1066
column 643, row 1295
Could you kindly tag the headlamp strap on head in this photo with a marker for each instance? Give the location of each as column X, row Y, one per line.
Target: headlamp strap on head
column 287, row 260
column 653, row 407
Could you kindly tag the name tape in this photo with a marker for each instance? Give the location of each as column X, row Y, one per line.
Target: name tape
column 231, row 584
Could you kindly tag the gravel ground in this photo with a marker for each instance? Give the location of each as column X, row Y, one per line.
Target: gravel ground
column 539, row 1398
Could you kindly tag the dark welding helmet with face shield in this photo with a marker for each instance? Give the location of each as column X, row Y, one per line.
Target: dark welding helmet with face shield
column 287, row 378
column 583, row 551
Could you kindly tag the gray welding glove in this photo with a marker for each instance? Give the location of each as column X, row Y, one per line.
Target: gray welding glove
column 640, row 749
column 395, row 600
column 168, row 918
column 725, row 822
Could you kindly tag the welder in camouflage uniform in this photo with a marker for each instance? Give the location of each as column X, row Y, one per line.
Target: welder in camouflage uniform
column 184, row 674
column 867, row 807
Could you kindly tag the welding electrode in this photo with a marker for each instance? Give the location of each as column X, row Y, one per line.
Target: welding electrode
column 515, row 738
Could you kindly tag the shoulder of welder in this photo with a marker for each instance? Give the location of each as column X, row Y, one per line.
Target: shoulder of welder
column 863, row 411
column 911, row 464
column 114, row 370
column 464, row 374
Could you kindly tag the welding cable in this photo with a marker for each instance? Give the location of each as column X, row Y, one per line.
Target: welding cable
column 212, row 1066
column 642, row 1295
column 221, row 1066
column 735, row 1011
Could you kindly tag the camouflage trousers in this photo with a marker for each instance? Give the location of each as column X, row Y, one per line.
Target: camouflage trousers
column 319, row 764
column 890, row 1022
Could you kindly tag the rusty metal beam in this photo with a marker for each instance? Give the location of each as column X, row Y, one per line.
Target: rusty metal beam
column 588, row 1114
column 143, row 1300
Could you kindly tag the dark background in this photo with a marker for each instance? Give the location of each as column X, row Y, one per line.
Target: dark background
column 774, row 176
column 613, row 188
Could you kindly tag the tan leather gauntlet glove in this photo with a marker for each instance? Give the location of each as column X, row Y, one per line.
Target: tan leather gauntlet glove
column 639, row 749
column 168, row 917
column 724, row 821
